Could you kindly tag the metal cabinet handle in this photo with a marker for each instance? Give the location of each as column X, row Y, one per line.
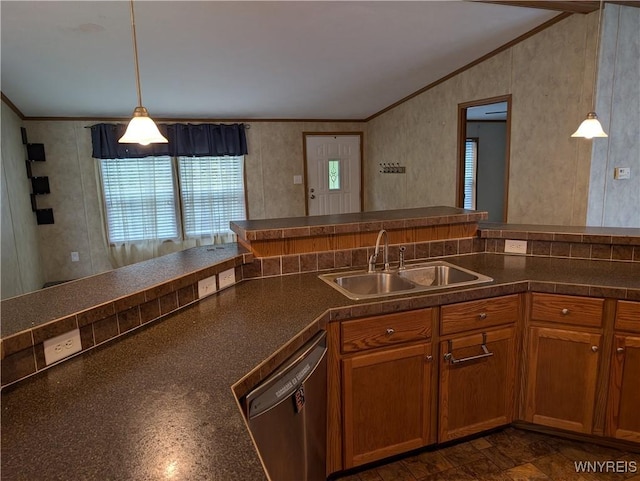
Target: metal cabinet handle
column 485, row 352
column 482, row 315
column 390, row 331
column 565, row 311
column 620, row 350
column 594, row 348
column 429, row 358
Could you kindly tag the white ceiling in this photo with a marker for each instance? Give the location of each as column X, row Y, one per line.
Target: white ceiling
column 242, row 59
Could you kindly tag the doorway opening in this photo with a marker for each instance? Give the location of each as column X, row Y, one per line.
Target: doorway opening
column 484, row 131
column 333, row 172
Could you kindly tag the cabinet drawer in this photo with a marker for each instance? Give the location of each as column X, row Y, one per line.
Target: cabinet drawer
column 480, row 314
column 577, row 311
column 372, row 332
column 628, row 316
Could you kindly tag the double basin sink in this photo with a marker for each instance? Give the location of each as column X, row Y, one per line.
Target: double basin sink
column 408, row 280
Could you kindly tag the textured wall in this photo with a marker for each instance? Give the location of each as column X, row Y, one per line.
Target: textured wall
column 275, row 157
column 21, row 270
column 547, row 75
column 616, row 202
column 74, row 200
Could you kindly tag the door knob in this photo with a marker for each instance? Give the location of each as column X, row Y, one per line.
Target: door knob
column 594, row 348
column 312, row 196
column 620, row 350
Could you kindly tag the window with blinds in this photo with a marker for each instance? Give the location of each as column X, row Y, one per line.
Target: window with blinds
column 212, row 194
column 470, row 169
column 140, row 200
column 143, row 200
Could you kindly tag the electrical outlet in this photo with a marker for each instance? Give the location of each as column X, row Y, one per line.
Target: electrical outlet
column 206, row 287
column 62, row 346
column 515, row 246
column 227, row 278
column 75, row 257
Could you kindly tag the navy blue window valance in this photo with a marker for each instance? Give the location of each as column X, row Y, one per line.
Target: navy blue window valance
column 194, row 140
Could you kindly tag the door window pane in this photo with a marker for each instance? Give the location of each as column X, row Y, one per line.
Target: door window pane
column 334, row 174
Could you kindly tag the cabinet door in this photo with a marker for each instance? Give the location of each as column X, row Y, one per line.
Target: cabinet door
column 477, row 376
column 387, row 400
column 561, row 381
column 623, row 418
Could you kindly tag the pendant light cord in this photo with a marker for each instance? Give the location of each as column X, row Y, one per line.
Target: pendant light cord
column 135, row 54
column 595, row 67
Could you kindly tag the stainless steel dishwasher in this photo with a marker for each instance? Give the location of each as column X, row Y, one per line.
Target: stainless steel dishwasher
column 287, row 415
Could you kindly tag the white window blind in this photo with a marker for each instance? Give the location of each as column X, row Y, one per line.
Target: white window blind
column 140, row 199
column 470, row 168
column 212, row 193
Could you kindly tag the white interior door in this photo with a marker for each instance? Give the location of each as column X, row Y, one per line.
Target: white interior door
column 333, row 174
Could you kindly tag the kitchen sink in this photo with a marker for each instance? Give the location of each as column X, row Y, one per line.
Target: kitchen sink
column 411, row 279
column 374, row 283
column 438, row 274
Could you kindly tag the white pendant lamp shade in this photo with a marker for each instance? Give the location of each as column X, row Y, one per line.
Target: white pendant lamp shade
column 590, row 128
column 142, row 130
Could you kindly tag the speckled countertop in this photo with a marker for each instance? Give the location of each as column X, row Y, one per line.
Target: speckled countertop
column 157, row 404
column 36, row 308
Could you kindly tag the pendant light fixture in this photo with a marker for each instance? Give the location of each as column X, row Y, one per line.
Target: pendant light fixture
column 141, row 129
column 590, row 127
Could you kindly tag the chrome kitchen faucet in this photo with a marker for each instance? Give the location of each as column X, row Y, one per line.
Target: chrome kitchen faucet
column 385, row 252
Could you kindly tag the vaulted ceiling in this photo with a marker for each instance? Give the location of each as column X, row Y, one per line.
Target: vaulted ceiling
column 243, row 59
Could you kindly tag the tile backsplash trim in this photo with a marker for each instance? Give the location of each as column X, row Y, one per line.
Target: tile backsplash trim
column 570, row 242
column 357, row 258
column 22, row 353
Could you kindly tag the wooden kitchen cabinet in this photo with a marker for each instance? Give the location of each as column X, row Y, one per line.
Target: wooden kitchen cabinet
column 563, row 359
column 623, row 417
column 561, row 386
column 387, row 403
column 477, row 375
column 387, row 389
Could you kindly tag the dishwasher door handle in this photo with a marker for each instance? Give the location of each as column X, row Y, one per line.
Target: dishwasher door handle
column 485, row 352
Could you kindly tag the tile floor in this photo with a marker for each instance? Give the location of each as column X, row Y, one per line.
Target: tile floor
column 507, row 455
